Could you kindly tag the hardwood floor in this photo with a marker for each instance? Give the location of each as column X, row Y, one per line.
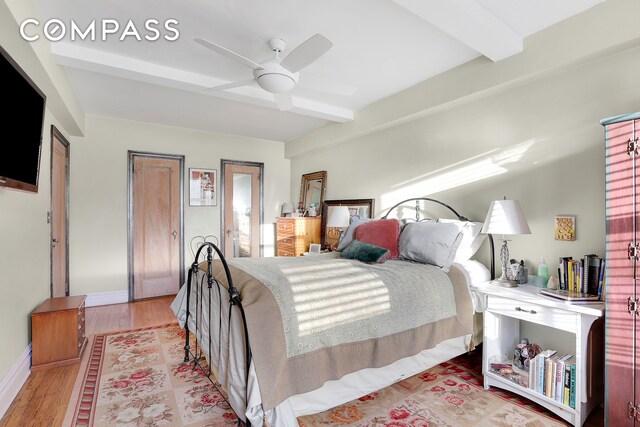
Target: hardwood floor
column 43, row 399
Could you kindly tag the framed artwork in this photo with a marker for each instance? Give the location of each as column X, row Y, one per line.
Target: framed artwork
column 331, row 235
column 314, row 248
column 202, row 187
column 565, row 228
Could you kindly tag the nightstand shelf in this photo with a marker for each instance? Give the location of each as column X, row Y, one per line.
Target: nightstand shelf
column 508, row 310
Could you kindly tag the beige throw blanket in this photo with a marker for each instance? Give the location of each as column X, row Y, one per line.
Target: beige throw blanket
column 324, row 336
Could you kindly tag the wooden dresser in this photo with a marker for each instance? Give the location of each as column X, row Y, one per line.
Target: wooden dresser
column 57, row 332
column 294, row 235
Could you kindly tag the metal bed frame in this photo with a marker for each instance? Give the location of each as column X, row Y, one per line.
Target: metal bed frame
column 234, row 297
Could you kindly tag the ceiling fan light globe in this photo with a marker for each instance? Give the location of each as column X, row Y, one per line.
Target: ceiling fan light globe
column 276, row 83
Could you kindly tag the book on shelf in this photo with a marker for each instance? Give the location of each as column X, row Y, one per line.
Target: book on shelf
column 582, row 275
column 564, row 271
column 601, row 279
column 567, row 381
column 572, row 388
column 549, row 388
column 592, row 277
column 533, row 373
column 559, row 380
column 541, row 362
column 568, row 295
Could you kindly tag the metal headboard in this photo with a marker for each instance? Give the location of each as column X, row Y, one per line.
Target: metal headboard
column 460, row 218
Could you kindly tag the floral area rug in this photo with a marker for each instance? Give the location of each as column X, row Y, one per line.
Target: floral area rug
column 138, row 378
column 448, row 395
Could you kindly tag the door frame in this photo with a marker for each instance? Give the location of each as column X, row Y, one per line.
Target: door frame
column 131, row 154
column 56, row 134
column 260, row 165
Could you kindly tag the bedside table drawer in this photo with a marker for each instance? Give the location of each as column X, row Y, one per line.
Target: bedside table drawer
column 557, row 318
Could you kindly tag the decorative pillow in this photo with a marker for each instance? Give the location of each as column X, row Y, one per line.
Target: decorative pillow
column 365, row 252
column 471, row 238
column 430, row 243
column 381, row 232
column 347, row 237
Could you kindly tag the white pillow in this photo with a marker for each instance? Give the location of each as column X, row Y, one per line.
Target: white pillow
column 430, row 243
column 471, row 238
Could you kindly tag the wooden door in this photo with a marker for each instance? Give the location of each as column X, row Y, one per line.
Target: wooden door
column 157, row 233
column 242, row 206
column 622, row 193
column 59, row 214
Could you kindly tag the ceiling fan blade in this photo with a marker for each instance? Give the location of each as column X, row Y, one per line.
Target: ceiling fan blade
column 229, row 54
column 323, row 85
column 284, row 101
column 232, row 85
column 307, row 52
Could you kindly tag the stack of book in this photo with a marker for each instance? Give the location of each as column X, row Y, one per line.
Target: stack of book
column 584, row 275
column 554, row 376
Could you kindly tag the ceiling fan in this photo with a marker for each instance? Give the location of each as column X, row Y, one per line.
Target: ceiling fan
column 275, row 75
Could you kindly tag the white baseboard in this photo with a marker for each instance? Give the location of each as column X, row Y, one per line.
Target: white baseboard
column 14, row 380
column 105, row 298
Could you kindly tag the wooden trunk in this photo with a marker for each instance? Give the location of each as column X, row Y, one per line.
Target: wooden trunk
column 58, row 332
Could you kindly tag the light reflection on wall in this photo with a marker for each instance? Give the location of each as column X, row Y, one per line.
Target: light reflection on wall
column 474, row 169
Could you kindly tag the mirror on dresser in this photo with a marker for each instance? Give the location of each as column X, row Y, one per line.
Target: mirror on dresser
column 312, row 191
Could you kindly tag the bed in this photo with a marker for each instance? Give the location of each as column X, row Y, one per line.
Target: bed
column 287, row 337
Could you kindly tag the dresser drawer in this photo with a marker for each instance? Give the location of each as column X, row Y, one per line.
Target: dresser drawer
column 285, row 252
column 284, row 226
column 560, row 319
column 286, row 240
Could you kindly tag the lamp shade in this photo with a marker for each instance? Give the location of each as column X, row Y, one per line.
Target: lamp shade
column 505, row 217
column 287, row 208
column 338, row 216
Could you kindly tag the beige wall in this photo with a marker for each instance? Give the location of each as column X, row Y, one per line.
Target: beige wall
column 539, row 142
column 24, row 255
column 24, row 232
column 98, row 232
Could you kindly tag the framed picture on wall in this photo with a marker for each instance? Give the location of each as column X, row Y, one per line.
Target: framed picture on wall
column 565, row 228
column 202, row 187
column 330, row 235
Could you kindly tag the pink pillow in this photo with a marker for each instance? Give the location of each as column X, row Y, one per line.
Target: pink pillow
column 383, row 233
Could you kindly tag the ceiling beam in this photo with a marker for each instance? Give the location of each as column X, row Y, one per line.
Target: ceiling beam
column 83, row 58
column 470, row 23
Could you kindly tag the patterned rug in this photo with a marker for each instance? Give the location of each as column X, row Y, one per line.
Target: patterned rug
column 448, row 395
column 138, row 378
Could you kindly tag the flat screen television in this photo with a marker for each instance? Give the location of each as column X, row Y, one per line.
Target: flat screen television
column 24, row 116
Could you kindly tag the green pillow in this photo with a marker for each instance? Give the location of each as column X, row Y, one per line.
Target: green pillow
column 365, row 252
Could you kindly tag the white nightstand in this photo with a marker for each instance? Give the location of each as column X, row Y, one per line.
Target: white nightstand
column 506, row 310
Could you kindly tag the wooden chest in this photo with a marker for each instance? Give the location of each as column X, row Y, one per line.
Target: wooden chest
column 294, row 235
column 58, row 332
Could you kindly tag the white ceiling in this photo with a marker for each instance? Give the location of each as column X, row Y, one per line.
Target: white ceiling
column 380, row 47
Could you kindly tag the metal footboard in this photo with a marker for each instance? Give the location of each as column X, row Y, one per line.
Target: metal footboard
column 197, row 353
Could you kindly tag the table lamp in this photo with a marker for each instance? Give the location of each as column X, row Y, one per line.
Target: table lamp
column 505, row 217
column 287, row 209
column 338, row 217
